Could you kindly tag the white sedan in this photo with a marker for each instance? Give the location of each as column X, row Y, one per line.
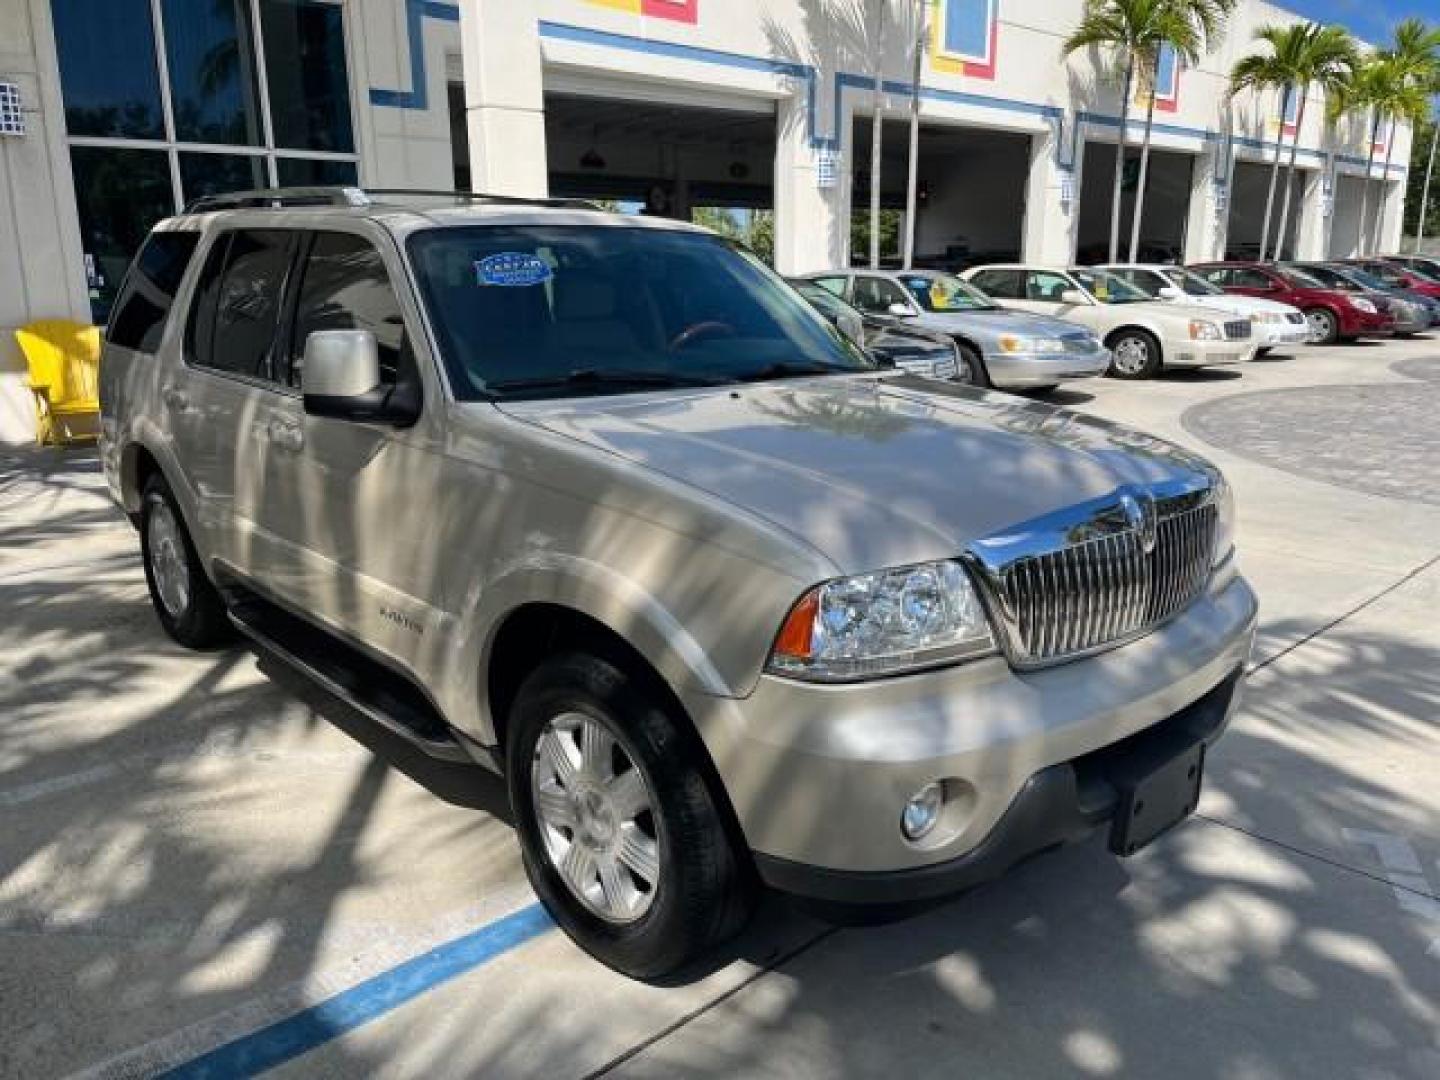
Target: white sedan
column 1143, row 335
column 1276, row 324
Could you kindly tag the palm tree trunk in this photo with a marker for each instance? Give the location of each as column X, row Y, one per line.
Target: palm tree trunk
column 1139, row 211
column 1290, row 175
column 1425, row 191
column 1274, row 176
column 1384, row 192
column 1365, row 187
column 1120, row 162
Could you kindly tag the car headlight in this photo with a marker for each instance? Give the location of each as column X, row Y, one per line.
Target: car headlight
column 1011, row 344
column 1224, row 520
column 1359, row 303
column 1200, row 330
column 883, row 623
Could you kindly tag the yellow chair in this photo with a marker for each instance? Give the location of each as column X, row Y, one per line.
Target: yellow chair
column 64, row 362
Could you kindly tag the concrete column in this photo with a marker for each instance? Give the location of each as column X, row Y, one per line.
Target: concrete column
column 1052, row 204
column 1312, row 230
column 1208, row 220
column 504, row 96
column 1392, row 223
column 810, row 228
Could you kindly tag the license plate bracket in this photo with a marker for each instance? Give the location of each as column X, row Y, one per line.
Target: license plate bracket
column 1155, row 800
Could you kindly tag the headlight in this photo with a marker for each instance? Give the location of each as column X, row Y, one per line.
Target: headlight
column 1359, row 303
column 1200, row 330
column 1011, row 344
column 883, row 623
column 1224, row 520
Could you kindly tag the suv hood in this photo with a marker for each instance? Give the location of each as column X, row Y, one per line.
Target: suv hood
column 871, row 471
column 998, row 321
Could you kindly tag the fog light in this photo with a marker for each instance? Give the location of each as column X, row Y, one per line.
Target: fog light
column 922, row 811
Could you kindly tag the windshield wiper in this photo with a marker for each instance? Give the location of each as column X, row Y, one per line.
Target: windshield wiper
column 582, row 377
column 790, row 370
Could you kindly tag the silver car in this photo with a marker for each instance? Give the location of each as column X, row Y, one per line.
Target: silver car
column 1011, row 350
column 600, row 503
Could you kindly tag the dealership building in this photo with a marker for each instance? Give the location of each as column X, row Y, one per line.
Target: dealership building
column 114, row 113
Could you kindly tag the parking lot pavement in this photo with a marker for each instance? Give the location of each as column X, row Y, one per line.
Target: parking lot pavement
column 207, row 861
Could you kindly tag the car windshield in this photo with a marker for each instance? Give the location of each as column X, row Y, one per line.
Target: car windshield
column 1364, row 277
column 561, row 310
column 1107, row 288
column 1302, row 279
column 1193, row 283
column 942, row 292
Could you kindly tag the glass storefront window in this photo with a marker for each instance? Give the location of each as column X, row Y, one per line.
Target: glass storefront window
column 307, row 76
column 311, row 172
column 215, row 174
column 120, row 193
column 210, row 53
column 108, row 74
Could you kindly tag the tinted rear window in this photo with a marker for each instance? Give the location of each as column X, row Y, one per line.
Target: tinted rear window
column 146, row 297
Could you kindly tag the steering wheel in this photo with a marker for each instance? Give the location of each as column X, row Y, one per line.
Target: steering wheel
column 709, row 328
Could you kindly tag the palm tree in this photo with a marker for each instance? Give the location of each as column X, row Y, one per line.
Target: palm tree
column 1429, row 175
column 1299, row 55
column 1384, row 86
column 1322, row 57
column 1416, row 53
column 1137, row 31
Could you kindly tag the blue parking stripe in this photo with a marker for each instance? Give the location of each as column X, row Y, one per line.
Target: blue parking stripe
column 289, row 1038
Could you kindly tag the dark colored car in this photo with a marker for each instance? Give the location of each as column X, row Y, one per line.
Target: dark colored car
column 1397, row 276
column 1429, row 265
column 1410, row 311
column 1333, row 314
column 911, row 349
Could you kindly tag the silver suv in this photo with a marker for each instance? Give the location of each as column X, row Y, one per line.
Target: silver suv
column 600, row 503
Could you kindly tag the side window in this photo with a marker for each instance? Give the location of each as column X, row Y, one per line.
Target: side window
column 345, row 287
column 237, row 307
column 1216, row 275
column 875, row 295
column 1001, row 284
column 138, row 321
column 834, row 284
column 1045, row 287
column 1246, row 278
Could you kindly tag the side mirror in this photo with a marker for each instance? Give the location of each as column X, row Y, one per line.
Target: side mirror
column 341, row 380
column 900, row 309
column 1169, row 292
column 1074, row 297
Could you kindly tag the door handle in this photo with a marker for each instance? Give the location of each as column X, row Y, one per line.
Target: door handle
column 286, row 436
column 175, row 398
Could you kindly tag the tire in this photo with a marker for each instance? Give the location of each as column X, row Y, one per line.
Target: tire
column 1324, row 326
column 1264, row 350
column 702, row 890
column 1136, row 355
column 970, row 366
column 186, row 602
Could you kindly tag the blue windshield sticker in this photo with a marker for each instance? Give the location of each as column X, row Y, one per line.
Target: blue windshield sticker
column 512, row 268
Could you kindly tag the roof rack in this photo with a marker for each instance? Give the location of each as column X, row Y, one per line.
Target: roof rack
column 280, row 197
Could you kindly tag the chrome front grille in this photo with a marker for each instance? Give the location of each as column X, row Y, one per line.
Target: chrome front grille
column 1239, row 330
column 1106, row 589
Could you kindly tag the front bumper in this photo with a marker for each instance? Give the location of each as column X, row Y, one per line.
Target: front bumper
column 1017, row 371
column 1188, row 353
column 1272, row 335
column 818, row 774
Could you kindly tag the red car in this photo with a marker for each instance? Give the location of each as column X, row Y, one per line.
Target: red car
column 1333, row 315
column 1398, row 276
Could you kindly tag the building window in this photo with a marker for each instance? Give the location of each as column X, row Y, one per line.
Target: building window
column 170, row 100
column 108, row 75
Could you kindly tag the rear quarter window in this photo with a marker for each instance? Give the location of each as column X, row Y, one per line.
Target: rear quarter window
column 143, row 307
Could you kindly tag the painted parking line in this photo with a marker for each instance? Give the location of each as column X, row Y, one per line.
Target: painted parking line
column 1406, row 877
column 376, row 996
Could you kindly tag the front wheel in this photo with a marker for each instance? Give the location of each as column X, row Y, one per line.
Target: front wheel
column 1135, row 354
column 970, row 366
column 621, row 834
column 1324, row 327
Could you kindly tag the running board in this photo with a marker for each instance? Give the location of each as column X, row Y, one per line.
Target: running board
column 371, row 688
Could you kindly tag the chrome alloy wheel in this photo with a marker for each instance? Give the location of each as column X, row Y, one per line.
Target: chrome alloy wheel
column 1322, row 324
column 593, row 807
column 167, row 560
column 1131, row 355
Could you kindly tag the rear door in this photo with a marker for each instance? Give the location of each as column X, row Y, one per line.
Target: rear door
column 217, row 402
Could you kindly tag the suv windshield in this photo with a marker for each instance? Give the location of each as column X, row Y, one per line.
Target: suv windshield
column 942, row 292
column 1107, row 288
column 563, row 310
